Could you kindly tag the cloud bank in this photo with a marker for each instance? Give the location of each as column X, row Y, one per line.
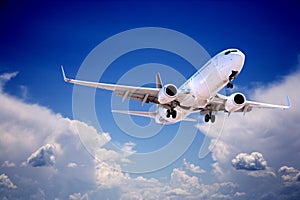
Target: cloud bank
column 58, row 167
column 37, row 135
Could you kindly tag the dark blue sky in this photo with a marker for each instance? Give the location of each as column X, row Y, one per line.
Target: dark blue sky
column 36, row 37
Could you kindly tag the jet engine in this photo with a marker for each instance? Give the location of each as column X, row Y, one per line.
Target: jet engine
column 167, row 94
column 235, row 102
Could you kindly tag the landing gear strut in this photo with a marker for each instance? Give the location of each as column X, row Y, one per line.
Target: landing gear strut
column 210, row 117
column 231, row 77
column 172, row 113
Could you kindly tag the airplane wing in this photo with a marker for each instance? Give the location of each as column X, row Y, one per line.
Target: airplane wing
column 219, row 101
column 143, row 94
column 254, row 104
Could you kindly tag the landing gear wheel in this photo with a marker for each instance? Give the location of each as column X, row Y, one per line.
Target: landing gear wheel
column 212, row 118
column 229, row 85
column 174, row 114
column 168, row 113
column 207, row 118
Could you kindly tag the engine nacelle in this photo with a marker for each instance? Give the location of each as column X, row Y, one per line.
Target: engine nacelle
column 167, row 94
column 235, row 102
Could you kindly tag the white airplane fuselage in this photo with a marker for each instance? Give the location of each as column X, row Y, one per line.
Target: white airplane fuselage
column 198, row 90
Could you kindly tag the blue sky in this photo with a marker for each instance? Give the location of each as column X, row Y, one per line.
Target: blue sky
column 37, row 37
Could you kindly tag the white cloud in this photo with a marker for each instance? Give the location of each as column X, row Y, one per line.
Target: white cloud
column 127, row 149
column 286, row 169
column 179, row 179
column 78, row 196
column 8, row 164
column 108, row 176
column 239, row 194
column 5, row 182
column 253, row 161
column 44, row 156
column 192, row 168
column 6, row 77
column 25, row 128
column 290, row 175
column 72, row 165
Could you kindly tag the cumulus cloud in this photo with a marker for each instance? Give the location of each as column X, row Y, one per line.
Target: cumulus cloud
column 71, row 165
column 253, row 164
column 25, row 128
column 192, row 168
column 78, row 196
column 253, row 161
column 44, row 156
column 286, row 169
column 290, row 175
column 5, row 182
column 179, row 179
column 8, row 164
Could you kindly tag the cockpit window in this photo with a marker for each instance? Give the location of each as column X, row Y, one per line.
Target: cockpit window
column 227, row 52
column 230, row 51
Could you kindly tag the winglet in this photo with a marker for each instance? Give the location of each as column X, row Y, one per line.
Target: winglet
column 158, row 81
column 288, row 103
column 64, row 75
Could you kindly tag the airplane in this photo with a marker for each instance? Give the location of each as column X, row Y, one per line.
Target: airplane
column 198, row 94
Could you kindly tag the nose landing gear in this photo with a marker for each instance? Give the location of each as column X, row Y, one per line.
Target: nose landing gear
column 229, row 85
column 231, row 77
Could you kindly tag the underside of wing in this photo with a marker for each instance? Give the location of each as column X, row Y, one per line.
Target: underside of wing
column 143, row 96
column 223, row 103
column 216, row 104
column 254, row 104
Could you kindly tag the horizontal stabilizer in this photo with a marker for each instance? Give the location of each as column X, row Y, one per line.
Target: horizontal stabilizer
column 136, row 113
column 189, row 119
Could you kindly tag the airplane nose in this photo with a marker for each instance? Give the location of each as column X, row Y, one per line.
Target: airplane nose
column 238, row 58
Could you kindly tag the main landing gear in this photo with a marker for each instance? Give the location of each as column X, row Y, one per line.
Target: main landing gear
column 210, row 117
column 172, row 113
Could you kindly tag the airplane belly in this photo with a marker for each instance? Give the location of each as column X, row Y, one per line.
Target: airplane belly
column 207, row 83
